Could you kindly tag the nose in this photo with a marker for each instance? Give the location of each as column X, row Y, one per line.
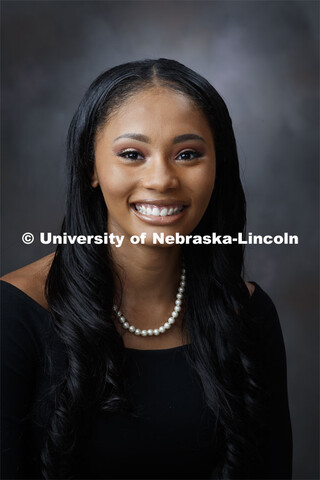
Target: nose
column 160, row 175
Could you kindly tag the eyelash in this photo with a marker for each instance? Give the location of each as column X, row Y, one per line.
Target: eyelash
column 195, row 154
column 128, row 152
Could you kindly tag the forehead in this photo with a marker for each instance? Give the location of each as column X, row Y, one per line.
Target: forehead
column 157, row 112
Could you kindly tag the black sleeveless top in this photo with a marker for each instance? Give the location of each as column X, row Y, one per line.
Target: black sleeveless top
column 174, row 435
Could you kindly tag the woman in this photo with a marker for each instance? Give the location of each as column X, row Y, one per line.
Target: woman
column 145, row 360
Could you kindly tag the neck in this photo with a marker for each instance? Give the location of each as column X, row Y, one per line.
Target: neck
column 147, row 274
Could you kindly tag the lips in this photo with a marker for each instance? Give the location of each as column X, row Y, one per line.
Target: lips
column 159, row 212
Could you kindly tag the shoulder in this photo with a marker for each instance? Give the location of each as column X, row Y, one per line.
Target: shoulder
column 261, row 306
column 25, row 321
column 251, row 287
column 265, row 313
column 260, row 302
column 28, row 281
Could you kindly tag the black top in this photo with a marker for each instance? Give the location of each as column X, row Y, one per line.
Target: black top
column 174, row 438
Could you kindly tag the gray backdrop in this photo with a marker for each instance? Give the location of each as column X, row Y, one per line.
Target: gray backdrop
column 262, row 57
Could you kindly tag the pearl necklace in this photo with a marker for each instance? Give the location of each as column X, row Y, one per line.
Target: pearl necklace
column 156, row 331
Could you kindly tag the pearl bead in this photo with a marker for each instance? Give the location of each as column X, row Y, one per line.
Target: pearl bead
column 171, row 319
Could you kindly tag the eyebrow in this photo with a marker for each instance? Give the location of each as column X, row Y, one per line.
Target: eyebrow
column 145, row 139
column 187, row 136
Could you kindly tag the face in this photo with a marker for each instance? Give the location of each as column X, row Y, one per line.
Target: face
column 155, row 164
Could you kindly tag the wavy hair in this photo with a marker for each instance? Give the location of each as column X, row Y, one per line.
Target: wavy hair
column 80, row 286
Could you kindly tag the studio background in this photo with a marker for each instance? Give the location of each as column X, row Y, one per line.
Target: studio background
column 262, row 56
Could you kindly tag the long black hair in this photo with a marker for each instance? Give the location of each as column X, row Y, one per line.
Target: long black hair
column 80, row 285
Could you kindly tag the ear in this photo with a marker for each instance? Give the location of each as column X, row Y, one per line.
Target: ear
column 94, row 179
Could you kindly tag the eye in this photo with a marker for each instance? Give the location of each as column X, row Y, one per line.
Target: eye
column 189, row 155
column 131, row 155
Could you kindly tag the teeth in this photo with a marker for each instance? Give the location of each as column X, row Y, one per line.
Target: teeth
column 158, row 212
column 163, row 212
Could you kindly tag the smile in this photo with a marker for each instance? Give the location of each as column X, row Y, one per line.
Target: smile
column 159, row 214
column 154, row 211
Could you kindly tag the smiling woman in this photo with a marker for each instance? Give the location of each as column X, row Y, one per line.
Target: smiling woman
column 157, row 351
column 163, row 177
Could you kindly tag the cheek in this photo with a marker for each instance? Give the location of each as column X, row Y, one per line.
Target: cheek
column 115, row 184
column 203, row 184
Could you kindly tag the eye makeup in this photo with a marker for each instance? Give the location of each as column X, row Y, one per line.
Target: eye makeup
column 134, row 155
